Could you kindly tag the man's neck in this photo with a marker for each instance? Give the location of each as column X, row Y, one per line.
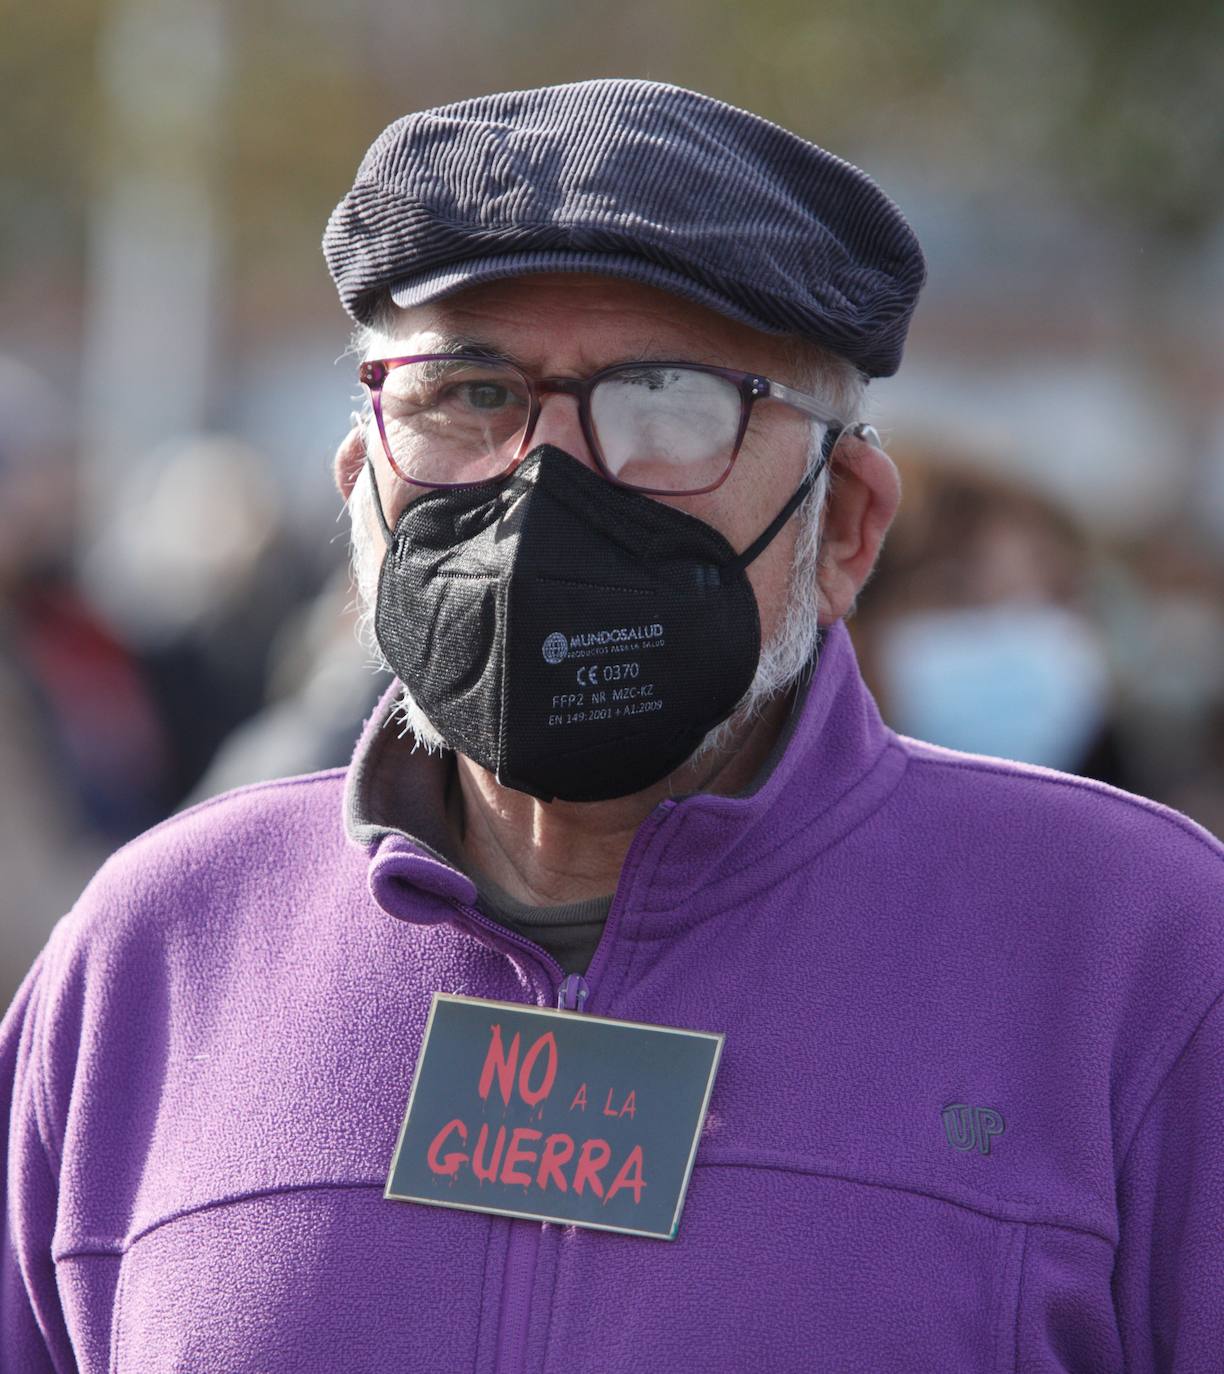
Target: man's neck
column 549, row 853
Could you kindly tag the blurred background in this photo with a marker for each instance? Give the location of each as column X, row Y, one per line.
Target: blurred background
column 175, row 613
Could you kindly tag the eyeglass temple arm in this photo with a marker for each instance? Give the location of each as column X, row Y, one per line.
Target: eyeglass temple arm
column 801, row 401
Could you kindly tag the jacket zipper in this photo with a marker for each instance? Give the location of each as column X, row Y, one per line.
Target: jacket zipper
column 573, row 993
column 523, row 1243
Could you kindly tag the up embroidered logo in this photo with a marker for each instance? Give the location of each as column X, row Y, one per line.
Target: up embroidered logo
column 967, row 1127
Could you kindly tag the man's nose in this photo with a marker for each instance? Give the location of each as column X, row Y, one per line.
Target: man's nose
column 559, row 424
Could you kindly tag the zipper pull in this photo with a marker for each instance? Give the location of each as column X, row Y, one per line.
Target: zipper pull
column 573, row 992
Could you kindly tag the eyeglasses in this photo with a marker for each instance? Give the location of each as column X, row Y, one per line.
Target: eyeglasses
column 665, row 428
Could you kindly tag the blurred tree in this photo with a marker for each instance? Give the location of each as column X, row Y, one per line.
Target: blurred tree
column 301, row 108
column 1119, row 102
column 1147, row 127
column 47, row 104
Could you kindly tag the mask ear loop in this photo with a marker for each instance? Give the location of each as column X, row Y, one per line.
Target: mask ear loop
column 388, row 537
column 767, row 535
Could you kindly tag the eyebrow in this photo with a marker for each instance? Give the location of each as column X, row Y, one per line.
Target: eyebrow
column 464, row 345
column 460, row 345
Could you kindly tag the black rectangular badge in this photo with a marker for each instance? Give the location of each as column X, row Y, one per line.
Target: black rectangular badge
column 554, row 1115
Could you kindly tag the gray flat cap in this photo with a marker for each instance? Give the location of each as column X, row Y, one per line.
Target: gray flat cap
column 632, row 179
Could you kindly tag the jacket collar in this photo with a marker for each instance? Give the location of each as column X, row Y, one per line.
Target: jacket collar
column 836, row 763
column 837, row 766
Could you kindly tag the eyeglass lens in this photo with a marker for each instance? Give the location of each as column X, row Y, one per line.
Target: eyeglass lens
column 661, row 428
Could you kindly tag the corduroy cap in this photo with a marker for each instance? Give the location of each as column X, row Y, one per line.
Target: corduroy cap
column 633, row 179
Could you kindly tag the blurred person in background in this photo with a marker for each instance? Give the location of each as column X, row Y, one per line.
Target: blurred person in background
column 83, row 751
column 979, row 629
column 996, row 623
column 321, row 687
column 200, row 571
column 615, row 339
column 1165, row 614
column 1200, row 792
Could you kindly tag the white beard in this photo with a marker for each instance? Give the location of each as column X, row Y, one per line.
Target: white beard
column 784, row 657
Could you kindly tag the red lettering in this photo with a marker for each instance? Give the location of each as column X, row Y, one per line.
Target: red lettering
column 514, row 1155
column 630, row 1176
column 580, row 1099
column 497, row 1063
column 589, row 1167
column 534, row 1096
column 628, row 1108
column 450, row 1163
column 487, row 1175
column 552, row 1159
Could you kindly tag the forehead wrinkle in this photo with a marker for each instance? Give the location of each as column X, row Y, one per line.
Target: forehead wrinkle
column 582, row 322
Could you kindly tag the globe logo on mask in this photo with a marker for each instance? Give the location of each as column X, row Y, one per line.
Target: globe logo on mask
column 556, row 646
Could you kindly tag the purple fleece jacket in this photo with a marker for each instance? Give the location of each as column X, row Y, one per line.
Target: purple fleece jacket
column 969, row 1117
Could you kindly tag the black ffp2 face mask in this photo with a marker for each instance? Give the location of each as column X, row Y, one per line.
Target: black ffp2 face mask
column 576, row 638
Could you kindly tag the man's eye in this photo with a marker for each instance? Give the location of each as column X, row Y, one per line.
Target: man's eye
column 484, row 395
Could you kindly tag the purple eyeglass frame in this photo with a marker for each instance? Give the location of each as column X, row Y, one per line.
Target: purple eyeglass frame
column 751, row 385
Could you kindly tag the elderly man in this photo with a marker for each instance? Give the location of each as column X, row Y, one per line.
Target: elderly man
column 932, row 1040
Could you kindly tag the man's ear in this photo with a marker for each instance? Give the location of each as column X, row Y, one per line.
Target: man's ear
column 865, row 495
column 349, row 460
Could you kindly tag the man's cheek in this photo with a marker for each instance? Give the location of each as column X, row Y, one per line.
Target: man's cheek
column 770, row 577
column 397, row 495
